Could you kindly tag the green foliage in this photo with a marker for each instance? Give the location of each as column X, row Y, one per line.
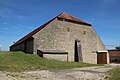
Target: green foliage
column 115, row 73
column 19, row 61
column 117, row 48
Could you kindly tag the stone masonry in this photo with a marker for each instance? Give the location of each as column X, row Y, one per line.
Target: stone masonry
column 61, row 34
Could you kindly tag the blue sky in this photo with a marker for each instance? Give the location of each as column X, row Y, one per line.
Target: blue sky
column 19, row 17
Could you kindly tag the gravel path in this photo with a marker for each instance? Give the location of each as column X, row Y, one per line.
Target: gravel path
column 87, row 73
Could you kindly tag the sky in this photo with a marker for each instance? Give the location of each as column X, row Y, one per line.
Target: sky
column 19, row 17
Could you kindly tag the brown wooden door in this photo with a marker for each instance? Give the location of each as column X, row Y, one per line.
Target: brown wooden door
column 102, row 58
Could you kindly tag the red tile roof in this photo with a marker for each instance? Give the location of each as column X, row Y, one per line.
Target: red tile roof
column 114, row 53
column 31, row 33
column 65, row 15
column 62, row 15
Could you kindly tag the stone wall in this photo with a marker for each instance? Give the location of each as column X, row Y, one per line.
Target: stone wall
column 100, row 45
column 61, row 35
column 59, row 57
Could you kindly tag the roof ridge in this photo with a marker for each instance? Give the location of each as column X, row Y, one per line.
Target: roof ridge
column 73, row 18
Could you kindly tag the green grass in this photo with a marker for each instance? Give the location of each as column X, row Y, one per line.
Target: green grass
column 19, row 61
column 115, row 73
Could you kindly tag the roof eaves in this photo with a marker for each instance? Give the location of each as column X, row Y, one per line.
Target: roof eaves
column 29, row 35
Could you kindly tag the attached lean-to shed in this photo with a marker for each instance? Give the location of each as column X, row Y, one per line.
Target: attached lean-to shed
column 114, row 56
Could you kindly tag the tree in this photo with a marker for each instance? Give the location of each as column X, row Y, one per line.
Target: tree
column 117, row 48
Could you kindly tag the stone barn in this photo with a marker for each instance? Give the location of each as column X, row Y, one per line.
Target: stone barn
column 64, row 38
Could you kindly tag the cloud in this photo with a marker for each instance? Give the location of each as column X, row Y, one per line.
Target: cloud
column 108, row 2
column 5, row 23
column 5, row 12
column 9, row 13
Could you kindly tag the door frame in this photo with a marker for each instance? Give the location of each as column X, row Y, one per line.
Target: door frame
column 102, row 57
column 77, row 51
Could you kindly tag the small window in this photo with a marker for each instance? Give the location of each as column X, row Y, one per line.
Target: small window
column 84, row 31
column 68, row 29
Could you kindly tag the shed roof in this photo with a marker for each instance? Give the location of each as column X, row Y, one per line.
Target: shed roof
column 63, row 15
column 53, row 52
column 114, row 53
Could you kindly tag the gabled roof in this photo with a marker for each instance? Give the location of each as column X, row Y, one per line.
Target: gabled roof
column 62, row 15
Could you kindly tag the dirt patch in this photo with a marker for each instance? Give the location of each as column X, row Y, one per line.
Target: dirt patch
column 87, row 73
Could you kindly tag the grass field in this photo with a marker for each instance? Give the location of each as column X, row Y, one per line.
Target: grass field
column 115, row 73
column 19, row 61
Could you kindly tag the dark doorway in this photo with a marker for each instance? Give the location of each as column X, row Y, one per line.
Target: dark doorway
column 25, row 47
column 76, row 52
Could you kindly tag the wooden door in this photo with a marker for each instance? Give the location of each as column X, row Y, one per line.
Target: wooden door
column 102, row 58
